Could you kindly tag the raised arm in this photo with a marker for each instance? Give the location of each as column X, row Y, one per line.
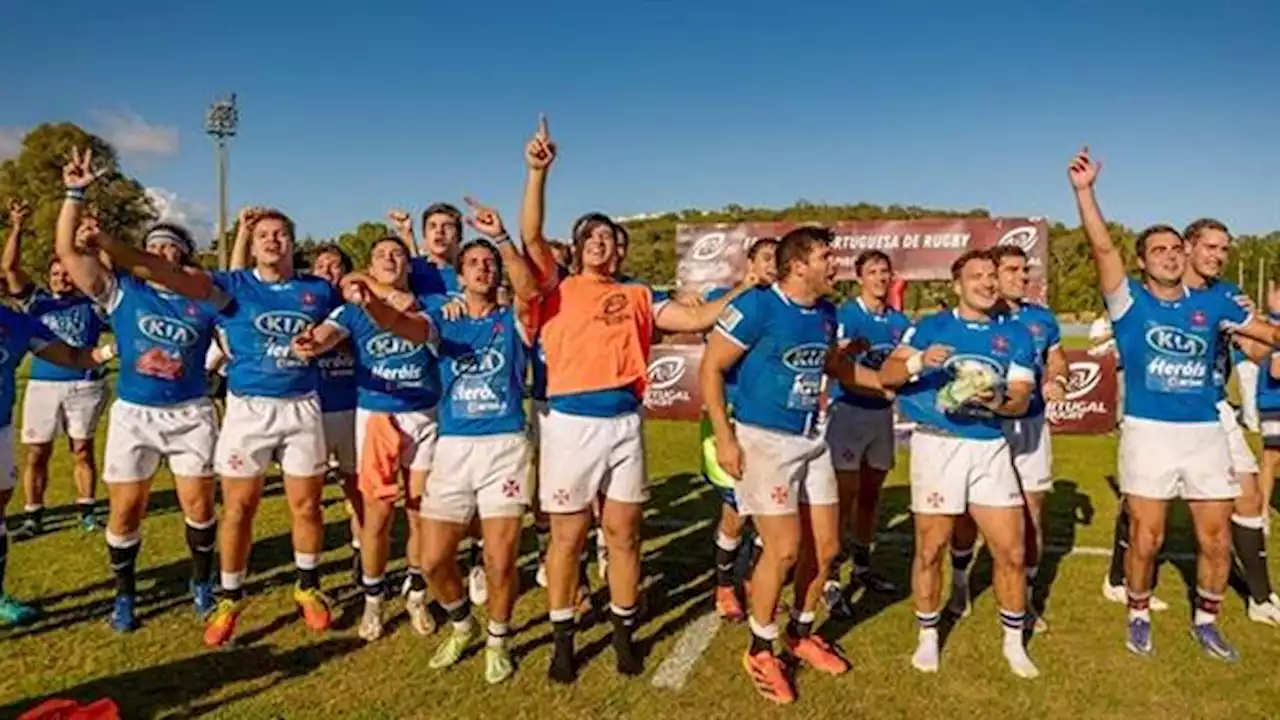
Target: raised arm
column 402, row 223
column 1083, row 173
column 16, row 281
column 673, row 317
column 539, row 155
column 407, row 322
column 74, row 233
column 191, row 283
column 239, row 258
column 718, row 357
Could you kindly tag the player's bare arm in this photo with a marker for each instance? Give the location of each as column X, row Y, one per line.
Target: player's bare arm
column 674, row 317
column 76, row 358
column 719, row 356
column 907, row 362
column 524, row 285
column 239, row 259
column 74, row 233
column 407, row 322
column 842, row 365
column 1083, row 173
column 539, row 154
column 1056, row 375
column 16, row 281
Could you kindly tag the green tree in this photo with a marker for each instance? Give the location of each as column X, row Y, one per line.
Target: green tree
column 358, row 244
column 35, row 176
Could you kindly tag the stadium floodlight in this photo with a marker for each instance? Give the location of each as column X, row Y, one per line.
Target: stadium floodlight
column 220, row 123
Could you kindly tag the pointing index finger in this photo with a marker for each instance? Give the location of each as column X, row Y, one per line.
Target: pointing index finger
column 544, row 131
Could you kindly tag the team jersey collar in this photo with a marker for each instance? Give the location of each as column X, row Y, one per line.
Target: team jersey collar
column 971, row 324
column 279, row 285
column 884, row 311
column 792, row 303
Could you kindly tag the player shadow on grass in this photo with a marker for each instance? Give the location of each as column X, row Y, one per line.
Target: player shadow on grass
column 891, row 558
column 177, row 688
column 165, row 587
column 677, row 569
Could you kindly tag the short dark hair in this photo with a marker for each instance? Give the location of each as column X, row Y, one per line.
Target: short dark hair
column 1193, row 231
column 332, row 249
column 1000, row 252
column 470, row 245
column 1160, row 229
column 796, row 246
column 967, row 257
column 442, row 208
column 759, row 244
column 869, row 256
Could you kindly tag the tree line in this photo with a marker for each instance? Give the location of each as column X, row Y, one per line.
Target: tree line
column 123, row 208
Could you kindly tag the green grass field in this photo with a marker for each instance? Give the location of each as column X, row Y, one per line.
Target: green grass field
column 280, row 670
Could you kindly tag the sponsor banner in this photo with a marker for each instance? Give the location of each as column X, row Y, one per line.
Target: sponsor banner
column 673, row 392
column 1092, row 393
column 716, row 255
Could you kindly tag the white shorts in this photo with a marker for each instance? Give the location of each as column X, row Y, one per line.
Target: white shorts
column 8, row 468
column 948, row 474
column 1165, row 460
column 140, row 436
column 418, row 431
column 73, row 406
column 1032, row 450
column 583, row 459
column 857, row 434
column 781, row 471
column 1242, row 460
column 489, row 474
column 340, row 436
column 258, row 430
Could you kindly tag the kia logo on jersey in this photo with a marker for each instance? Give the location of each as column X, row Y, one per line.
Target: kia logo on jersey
column 389, row 345
column 167, row 331
column 480, row 364
column 805, row 358
column 281, row 323
column 1173, row 341
column 1082, row 378
column 666, row 372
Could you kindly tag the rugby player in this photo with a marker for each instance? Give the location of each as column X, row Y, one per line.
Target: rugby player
column 161, row 411
column 596, row 333
column 961, row 374
column 1172, row 441
column 860, row 428
column 57, row 398
column 272, row 412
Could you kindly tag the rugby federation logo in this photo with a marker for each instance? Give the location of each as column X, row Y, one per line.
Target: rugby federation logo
column 709, row 246
column 1024, row 236
column 665, row 373
column 1082, row 378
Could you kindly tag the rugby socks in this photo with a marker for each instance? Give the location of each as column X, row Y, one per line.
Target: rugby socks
column 417, row 581
column 801, row 625
column 123, row 550
column 1032, row 571
column 762, row 636
column 459, row 613
column 1250, row 545
column 86, row 506
column 861, row 558
column 1015, row 651
column 34, row 515
column 961, row 560
column 624, row 628
column 1139, row 606
column 726, row 558
column 1013, row 624
column 1208, row 605
column 925, row 657
column 308, row 565
column 498, row 632
column 562, row 669
column 202, row 538
column 1119, row 547
column 232, row 585
column 375, row 588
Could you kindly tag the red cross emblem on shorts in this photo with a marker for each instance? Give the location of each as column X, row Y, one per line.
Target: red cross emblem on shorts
column 236, row 462
column 779, row 495
column 847, row 453
column 561, row 497
column 511, row 488
column 934, row 500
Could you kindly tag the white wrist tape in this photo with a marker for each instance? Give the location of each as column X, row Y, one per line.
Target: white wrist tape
column 915, row 364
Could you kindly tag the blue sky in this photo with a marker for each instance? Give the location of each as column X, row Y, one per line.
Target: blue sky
column 666, row 105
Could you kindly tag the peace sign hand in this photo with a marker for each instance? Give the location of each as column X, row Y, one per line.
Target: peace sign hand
column 484, row 220
column 541, row 150
column 400, row 221
column 78, row 173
